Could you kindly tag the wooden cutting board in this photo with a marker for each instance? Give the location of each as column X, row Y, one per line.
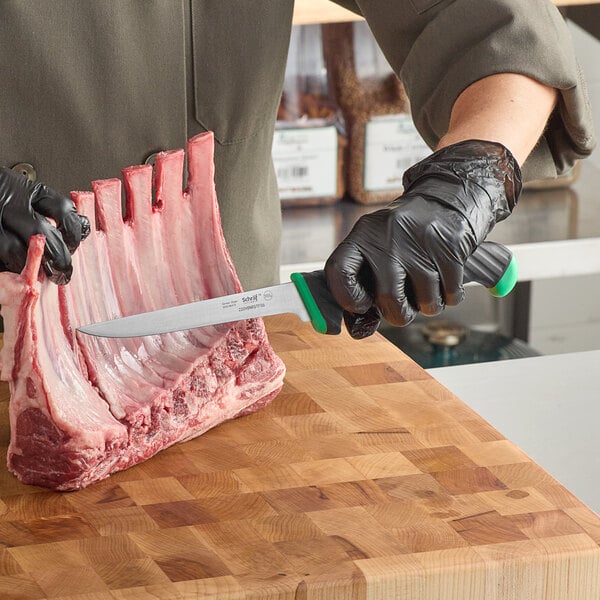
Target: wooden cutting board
column 364, row 479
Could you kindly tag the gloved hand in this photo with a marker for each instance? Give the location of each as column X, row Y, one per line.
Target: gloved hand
column 24, row 207
column 408, row 257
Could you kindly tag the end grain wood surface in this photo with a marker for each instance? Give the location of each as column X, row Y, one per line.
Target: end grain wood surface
column 364, row 479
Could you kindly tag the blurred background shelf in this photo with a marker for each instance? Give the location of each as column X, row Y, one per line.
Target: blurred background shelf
column 321, row 11
column 325, row 11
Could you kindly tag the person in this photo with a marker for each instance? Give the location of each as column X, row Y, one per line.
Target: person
column 91, row 87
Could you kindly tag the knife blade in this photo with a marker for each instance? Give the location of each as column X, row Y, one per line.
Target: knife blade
column 306, row 295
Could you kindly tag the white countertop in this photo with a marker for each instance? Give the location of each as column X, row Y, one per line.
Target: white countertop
column 549, row 406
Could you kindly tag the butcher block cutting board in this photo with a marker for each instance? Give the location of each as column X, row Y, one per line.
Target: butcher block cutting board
column 364, row 479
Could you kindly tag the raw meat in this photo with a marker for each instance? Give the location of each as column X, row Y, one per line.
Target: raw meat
column 84, row 407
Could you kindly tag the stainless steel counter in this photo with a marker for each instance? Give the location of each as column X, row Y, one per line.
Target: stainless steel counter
column 553, row 232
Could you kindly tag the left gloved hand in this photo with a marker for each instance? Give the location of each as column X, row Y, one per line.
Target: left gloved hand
column 409, row 256
column 25, row 210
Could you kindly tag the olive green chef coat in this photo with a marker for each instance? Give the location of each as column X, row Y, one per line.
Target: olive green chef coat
column 91, row 87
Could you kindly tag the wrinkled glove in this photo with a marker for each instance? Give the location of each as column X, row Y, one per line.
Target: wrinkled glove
column 24, row 209
column 408, row 257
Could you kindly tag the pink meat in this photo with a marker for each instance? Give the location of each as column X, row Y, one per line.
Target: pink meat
column 84, row 407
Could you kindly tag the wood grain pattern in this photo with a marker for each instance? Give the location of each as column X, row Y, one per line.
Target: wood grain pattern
column 365, row 479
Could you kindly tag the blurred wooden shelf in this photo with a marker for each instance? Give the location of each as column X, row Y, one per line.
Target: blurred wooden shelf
column 326, row 11
column 321, row 11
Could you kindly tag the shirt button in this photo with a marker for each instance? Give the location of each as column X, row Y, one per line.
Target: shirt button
column 151, row 158
column 27, row 170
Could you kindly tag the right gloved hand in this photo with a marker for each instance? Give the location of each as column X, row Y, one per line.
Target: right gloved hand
column 409, row 257
column 24, row 211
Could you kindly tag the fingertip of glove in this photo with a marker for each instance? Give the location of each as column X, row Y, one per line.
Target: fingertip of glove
column 74, row 229
column 57, row 276
column 85, row 226
column 455, row 298
column 401, row 318
column 432, row 309
column 360, row 326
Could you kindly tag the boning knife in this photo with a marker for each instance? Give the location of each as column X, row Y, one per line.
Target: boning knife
column 306, row 295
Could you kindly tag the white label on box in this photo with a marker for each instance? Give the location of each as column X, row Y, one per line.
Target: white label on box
column 392, row 145
column 306, row 162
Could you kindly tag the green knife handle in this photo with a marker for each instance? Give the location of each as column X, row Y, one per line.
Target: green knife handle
column 325, row 313
column 492, row 265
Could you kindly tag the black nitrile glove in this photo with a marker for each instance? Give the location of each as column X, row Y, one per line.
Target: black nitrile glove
column 408, row 257
column 24, row 207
